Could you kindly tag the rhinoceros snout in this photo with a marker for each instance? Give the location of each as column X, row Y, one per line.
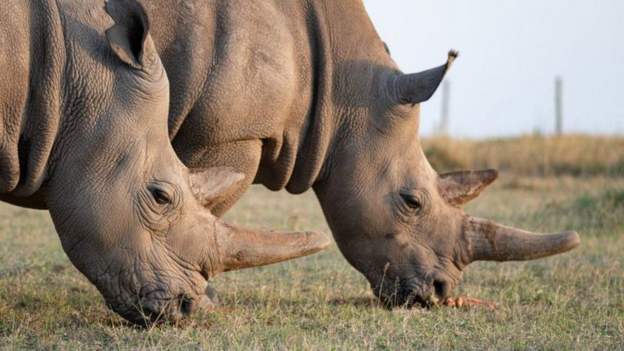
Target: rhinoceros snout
column 162, row 310
column 414, row 293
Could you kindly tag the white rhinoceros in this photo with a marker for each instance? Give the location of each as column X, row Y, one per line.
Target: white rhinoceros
column 83, row 111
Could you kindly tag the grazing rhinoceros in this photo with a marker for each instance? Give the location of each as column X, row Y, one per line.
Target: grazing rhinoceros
column 84, row 101
column 302, row 94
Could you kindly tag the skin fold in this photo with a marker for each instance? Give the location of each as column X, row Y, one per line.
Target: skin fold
column 84, row 103
column 303, row 94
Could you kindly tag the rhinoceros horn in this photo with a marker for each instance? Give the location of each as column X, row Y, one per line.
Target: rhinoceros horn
column 490, row 241
column 418, row 87
column 242, row 248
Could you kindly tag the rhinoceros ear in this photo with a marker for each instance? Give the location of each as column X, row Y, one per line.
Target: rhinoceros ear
column 214, row 184
column 129, row 36
column 457, row 188
column 418, row 87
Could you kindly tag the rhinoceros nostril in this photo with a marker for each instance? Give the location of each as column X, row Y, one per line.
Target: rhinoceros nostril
column 441, row 288
column 186, row 304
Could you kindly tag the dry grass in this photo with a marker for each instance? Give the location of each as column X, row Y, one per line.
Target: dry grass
column 535, row 155
column 572, row 301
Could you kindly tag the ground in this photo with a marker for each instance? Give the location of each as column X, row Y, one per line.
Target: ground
column 572, row 301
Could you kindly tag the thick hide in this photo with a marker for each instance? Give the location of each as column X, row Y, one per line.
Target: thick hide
column 32, row 68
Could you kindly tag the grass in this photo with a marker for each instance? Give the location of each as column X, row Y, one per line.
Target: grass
column 572, row 301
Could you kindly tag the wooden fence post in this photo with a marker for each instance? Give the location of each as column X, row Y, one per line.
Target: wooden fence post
column 558, row 106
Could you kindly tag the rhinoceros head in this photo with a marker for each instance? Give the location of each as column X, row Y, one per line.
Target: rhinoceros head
column 129, row 214
column 394, row 218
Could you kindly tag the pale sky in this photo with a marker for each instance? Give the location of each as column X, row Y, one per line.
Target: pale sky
column 510, row 53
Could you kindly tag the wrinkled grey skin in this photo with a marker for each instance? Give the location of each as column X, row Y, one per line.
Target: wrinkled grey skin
column 84, row 104
column 303, row 94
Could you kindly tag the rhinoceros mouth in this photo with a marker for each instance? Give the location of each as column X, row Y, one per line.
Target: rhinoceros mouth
column 410, row 293
column 154, row 305
column 157, row 309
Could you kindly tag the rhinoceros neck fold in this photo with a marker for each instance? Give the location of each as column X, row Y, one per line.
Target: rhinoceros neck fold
column 294, row 154
column 318, row 135
column 252, row 90
column 31, row 71
column 270, row 88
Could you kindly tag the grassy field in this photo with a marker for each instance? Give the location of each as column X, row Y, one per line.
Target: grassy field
column 531, row 155
column 574, row 300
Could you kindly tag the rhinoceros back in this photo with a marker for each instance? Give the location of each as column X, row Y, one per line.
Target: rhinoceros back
column 31, row 67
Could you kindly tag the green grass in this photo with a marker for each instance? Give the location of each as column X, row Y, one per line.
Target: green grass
column 574, row 300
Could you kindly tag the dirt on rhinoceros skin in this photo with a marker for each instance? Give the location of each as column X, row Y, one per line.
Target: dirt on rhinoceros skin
column 465, row 301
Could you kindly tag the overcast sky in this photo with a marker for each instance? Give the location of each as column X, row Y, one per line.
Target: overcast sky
column 510, row 53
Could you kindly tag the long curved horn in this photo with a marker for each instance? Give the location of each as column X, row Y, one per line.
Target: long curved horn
column 490, row 241
column 243, row 248
column 418, row 87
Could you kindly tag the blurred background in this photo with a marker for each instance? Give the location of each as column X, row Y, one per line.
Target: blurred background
column 510, row 55
column 538, row 88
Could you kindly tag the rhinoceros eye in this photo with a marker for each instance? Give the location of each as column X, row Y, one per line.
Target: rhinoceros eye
column 412, row 201
column 160, row 196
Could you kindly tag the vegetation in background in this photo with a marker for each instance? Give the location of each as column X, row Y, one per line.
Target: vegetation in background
column 532, row 155
column 596, row 213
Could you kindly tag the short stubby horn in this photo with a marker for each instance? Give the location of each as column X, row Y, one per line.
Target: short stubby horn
column 243, row 248
column 419, row 87
column 490, row 241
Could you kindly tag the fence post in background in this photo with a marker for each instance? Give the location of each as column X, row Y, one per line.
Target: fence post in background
column 444, row 114
column 558, row 106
